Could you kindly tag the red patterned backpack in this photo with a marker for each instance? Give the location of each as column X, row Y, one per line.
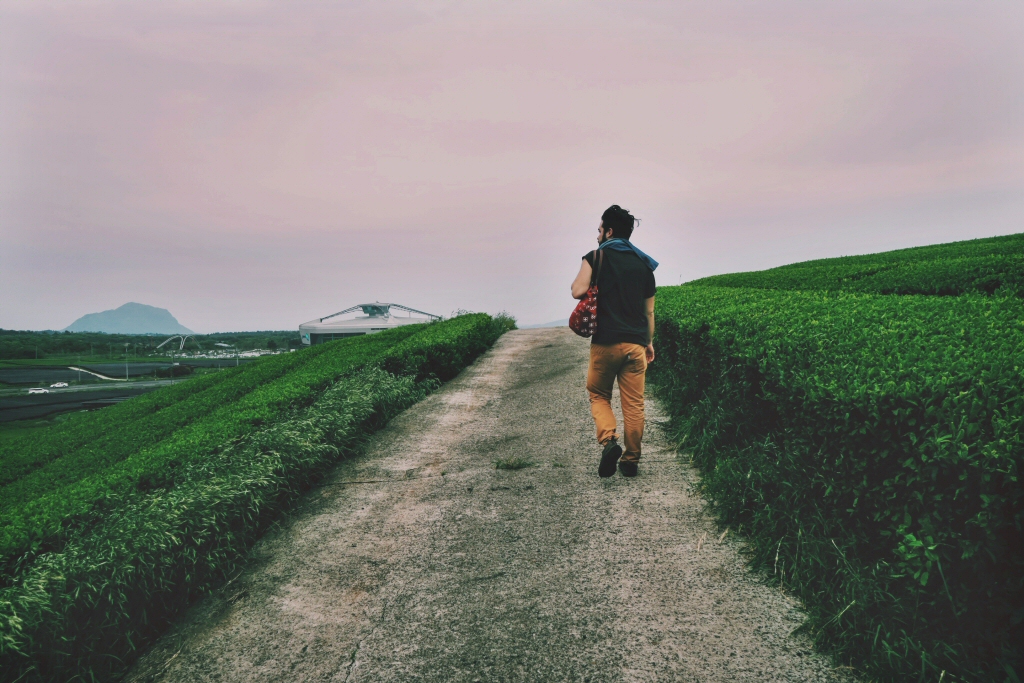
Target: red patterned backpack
column 583, row 320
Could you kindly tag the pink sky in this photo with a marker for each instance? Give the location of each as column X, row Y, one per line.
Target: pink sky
column 252, row 165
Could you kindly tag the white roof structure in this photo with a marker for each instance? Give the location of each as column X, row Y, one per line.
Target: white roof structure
column 376, row 318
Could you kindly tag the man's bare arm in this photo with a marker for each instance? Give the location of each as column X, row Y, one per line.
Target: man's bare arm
column 582, row 282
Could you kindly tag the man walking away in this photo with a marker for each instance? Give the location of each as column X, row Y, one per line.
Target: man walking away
column 622, row 346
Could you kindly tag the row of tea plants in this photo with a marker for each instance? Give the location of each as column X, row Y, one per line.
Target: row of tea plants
column 870, row 447
column 994, row 265
column 121, row 546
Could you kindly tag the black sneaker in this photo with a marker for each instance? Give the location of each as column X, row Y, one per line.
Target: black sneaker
column 609, row 456
column 628, row 469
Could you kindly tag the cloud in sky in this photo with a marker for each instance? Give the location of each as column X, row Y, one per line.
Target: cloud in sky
column 254, row 165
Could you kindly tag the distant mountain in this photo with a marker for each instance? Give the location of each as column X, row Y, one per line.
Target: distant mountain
column 553, row 323
column 130, row 319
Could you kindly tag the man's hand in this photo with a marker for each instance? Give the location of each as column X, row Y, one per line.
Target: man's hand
column 649, row 352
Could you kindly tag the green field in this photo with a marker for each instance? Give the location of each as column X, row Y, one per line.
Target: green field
column 112, row 522
column 19, row 348
column 861, row 420
column 16, row 430
column 986, row 266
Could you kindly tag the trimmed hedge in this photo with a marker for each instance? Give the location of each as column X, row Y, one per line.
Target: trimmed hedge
column 123, row 452
column 153, row 415
column 441, row 351
column 987, row 266
column 870, row 446
column 119, row 577
column 23, row 454
column 979, row 248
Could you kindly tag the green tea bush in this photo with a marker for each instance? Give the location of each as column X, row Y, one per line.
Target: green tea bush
column 870, row 446
column 23, row 454
column 441, row 351
column 988, row 266
column 142, row 553
column 152, row 417
column 36, row 509
column 987, row 246
column 115, row 585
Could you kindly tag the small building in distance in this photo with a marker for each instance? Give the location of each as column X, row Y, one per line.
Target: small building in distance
column 376, row 317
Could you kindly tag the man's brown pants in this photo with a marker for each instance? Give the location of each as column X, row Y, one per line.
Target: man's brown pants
column 628, row 363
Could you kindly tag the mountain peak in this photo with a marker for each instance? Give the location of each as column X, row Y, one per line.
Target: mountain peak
column 131, row 318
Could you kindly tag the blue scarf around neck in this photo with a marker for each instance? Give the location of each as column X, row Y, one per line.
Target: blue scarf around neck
column 619, row 244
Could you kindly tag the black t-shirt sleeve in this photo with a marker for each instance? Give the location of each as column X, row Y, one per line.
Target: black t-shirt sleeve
column 649, row 287
column 589, row 258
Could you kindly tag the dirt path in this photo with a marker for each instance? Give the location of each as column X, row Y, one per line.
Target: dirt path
column 441, row 568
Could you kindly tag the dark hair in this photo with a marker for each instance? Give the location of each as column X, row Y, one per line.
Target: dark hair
column 619, row 220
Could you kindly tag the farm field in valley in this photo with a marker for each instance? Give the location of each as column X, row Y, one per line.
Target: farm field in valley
column 24, row 348
column 91, row 391
column 16, row 404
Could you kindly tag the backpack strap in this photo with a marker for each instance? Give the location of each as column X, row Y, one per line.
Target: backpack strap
column 595, row 272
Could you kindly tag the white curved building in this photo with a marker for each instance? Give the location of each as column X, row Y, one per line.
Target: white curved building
column 376, row 318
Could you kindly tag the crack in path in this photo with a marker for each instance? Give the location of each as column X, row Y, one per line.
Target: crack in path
column 468, row 573
column 352, row 660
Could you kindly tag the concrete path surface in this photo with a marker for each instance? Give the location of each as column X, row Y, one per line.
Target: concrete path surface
column 421, row 561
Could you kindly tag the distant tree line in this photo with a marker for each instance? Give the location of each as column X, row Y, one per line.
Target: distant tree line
column 20, row 344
